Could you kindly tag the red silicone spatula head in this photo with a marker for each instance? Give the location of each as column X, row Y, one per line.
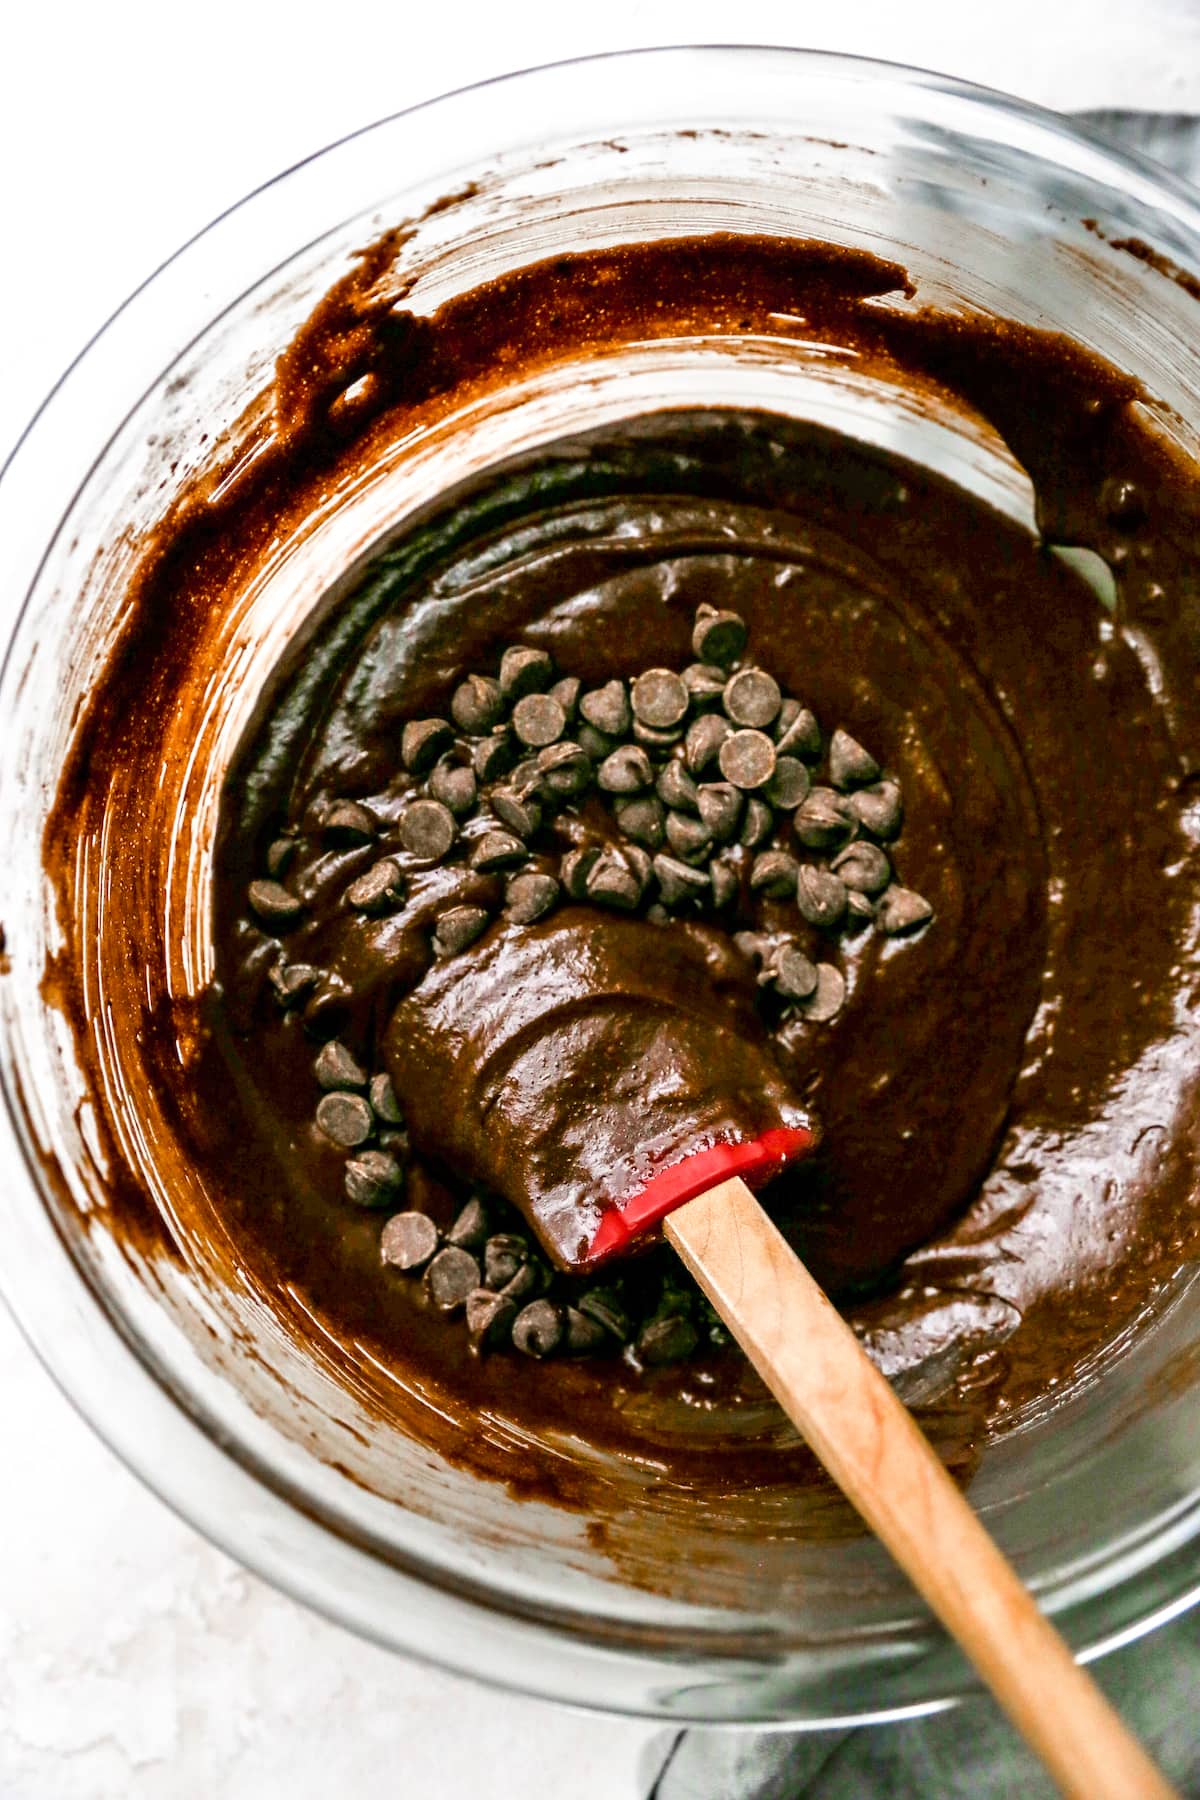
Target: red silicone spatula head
column 756, row 1161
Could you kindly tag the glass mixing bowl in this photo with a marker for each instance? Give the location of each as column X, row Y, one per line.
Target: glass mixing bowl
column 195, row 1382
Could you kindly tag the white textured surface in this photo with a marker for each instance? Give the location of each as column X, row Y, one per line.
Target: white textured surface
column 135, row 1660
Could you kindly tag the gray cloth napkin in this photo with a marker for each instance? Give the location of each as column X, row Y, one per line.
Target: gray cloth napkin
column 970, row 1751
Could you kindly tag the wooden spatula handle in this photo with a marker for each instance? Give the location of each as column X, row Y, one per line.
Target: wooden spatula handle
column 870, row 1444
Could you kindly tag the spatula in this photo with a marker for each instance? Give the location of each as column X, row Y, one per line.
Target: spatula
column 597, row 1072
column 873, row 1448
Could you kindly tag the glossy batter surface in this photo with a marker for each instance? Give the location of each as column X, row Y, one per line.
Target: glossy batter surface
column 1008, row 1104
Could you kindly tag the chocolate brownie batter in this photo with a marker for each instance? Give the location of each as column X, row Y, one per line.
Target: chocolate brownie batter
column 1007, row 1100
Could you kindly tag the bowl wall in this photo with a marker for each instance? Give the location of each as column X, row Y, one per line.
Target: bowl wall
column 182, row 1363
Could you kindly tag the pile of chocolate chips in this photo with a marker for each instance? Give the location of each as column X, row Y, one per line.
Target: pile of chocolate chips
column 509, row 1295
column 707, row 774
column 483, row 1265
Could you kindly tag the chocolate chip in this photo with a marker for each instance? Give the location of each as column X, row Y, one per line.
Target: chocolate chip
column 721, row 809
column 690, row 839
column 660, row 699
column 638, row 861
column 477, row 705
column 756, row 826
column 538, row 1328
column 793, row 974
column 566, row 769
column 659, row 743
column 458, row 928
column 775, row 874
column 423, row 741
column 345, row 1119
column 527, row 897
column 1124, row 503
column 526, row 1282
column 567, row 692
column 503, row 1255
column 279, row 855
column 336, row 1067
column 828, row 998
column 863, row 868
column 395, row 1141
column 454, row 784
column 824, row 819
column 382, row 886
column 374, row 1178
column 492, row 757
column 675, row 787
column 539, row 720
column 789, row 784
column 859, row 910
column 584, row 1335
column 497, row 850
column 718, row 637
column 489, row 1318
column 900, row 910
column 801, row 735
column 384, row 1101
column 666, row 1339
column 327, row 1007
column 470, row 1229
column 657, row 914
column 408, row 1240
column 878, row 809
column 725, row 883
column 643, row 818
column 524, row 671
column 820, row 896
column 849, row 764
column 702, row 744
column 626, row 771
column 596, row 745
column 615, row 881
column 348, row 823
column 752, row 698
column 677, row 882
column 427, row 829
column 522, row 816
column 747, row 758
column 602, row 1305
column 527, row 781
column 705, row 683
column 575, row 868
column 450, row 1277
column 675, row 1299
column 273, row 904
column 606, row 709
column 789, row 712
column 292, row 981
